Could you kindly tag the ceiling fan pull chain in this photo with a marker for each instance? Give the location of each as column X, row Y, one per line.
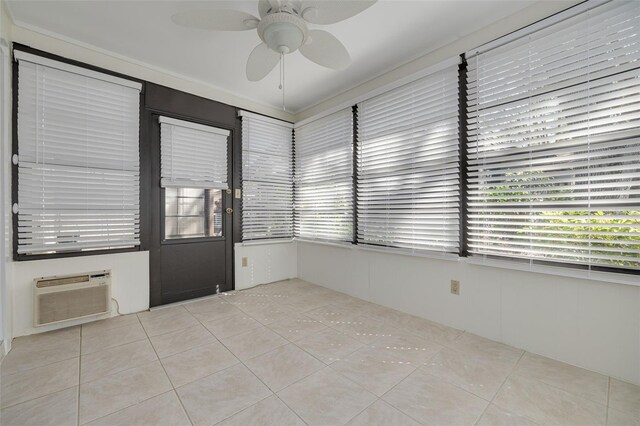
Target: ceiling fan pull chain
column 282, row 79
column 280, row 85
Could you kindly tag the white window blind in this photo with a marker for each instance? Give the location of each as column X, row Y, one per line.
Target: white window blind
column 408, row 173
column 78, row 172
column 192, row 155
column 554, row 142
column 324, row 178
column 267, row 178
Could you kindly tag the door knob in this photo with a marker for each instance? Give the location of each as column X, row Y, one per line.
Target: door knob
column 229, row 210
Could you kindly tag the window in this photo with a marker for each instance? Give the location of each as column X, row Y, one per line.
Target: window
column 554, row 141
column 192, row 213
column 267, row 178
column 192, row 155
column 194, row 172
column 324, row 178
column 408, row 178
column 78, row 168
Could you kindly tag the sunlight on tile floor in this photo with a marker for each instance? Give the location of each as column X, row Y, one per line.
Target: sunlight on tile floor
column 294, row 353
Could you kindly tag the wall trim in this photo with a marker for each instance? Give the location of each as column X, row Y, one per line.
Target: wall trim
column 514, row 22
column 605, row 277
column 23, row 33
column 424, row 72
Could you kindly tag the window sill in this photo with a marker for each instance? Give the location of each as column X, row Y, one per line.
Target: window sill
column 610, row 277
column 385, row 250
column 19, row 257
column 265, row 242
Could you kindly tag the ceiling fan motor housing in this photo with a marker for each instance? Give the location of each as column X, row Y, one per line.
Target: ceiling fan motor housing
column 283, row 32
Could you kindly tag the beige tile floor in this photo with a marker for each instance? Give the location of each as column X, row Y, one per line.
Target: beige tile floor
column 292, row 353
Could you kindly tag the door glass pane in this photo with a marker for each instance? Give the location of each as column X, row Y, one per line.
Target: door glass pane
column 215, row 213
column 192, row 213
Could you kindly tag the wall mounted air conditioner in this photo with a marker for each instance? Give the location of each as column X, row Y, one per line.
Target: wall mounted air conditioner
column 61, row 298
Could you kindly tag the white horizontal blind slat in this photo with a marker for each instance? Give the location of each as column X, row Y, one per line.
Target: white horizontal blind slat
column 408, row 166
column 267, row 179
column 192, row 156
column 78, row 171
column 554, row 142
column 323, row 178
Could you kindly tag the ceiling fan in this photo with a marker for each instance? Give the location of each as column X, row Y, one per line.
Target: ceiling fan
column 283, row 29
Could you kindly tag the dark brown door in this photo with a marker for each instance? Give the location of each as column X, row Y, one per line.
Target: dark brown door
column 194, row 234
column 190, row 234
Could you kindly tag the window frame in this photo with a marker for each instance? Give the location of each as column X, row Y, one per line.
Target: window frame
column 421, row 252
column 534, row 264
column 143, row 190
column 242, row 115
column 348, row 181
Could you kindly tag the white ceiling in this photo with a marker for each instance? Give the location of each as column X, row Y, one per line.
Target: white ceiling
column 388, row 34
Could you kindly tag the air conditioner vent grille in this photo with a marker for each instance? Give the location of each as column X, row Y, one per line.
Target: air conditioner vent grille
column 63, row 298
column 64, row 305
column 62, row 281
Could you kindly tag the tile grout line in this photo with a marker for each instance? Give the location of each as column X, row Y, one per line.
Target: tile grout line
column 290, row 408
column 606, row 417
column 114, row 347
column 79, row 377
column 3, row 376
column 398, row 408
column 118, row 344
column 571, row 393
column 398, row 384
column 38, row 397
column 511, row 372
column 130, row 406
column 325, row 365
column 50, row 393
column 248, row 368
column 250, row 371
column 513, row 369
column 245, row 408
column 166, row 374
column 363, row 410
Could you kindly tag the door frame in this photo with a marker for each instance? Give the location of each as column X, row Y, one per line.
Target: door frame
column 173, row 103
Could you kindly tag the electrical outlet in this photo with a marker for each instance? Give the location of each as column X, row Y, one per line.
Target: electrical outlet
column 245, row 261
column 455, row 287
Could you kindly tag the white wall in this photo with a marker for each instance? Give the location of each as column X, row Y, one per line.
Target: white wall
column 129, row 284
column 266, row 263
column 591, row 324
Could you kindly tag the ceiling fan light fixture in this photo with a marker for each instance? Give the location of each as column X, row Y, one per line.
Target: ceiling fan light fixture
column 283, row 32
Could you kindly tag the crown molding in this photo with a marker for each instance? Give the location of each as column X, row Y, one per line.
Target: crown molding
column 84, row 52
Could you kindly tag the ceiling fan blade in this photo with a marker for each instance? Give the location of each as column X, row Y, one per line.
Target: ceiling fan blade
column 265, row 5
column 326, row 12
column 216, row 19
column 326, row 50
column 261, row 61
